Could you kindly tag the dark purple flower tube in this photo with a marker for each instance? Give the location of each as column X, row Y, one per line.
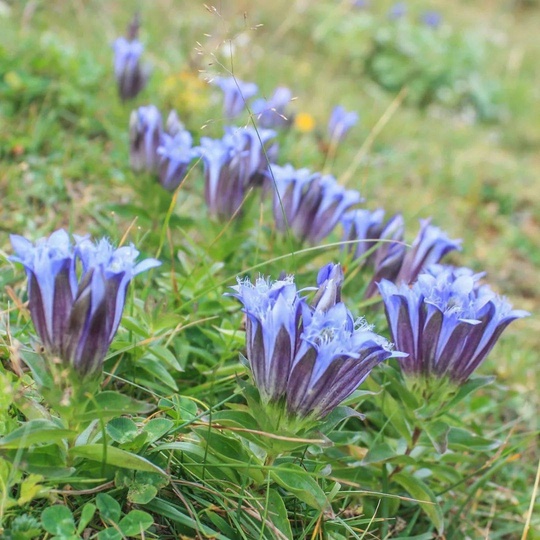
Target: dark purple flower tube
column 145, row 131
column 445, row 322
column 335, row 356
column 273, row 317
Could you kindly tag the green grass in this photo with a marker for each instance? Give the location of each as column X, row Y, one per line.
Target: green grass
column 64, row 163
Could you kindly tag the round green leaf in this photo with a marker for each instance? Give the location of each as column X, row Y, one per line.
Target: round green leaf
column 135, row 522
column 58, row 520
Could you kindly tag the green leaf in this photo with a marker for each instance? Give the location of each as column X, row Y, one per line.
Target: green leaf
column 109, row 404
column 231, row 452
column 58, row 520
column 109, row 508
column 165, row 355
column 179, row 407
column 139, row 493
column 424, row 496
column 157, row 428
column 170, row 511
column 30, row 488
column 116, row 457
column 379, row 452
column 37, row 431
column 461, row 439
column 109, row 534
column 277, row 513
column 87, row 513
column 396, row 416
column 438, row 435
column 122, row 430
column 135, row 522
column 158, row 371
column 297, row 481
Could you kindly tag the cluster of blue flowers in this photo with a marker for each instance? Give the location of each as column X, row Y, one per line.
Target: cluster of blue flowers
column 273, row 113
column 77, row 294
column 446, row 322
column 310, row 204
column 308, row 357
column 429, row 18
column 166, row 152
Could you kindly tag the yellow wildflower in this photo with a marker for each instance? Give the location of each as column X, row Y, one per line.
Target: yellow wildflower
column 304, row 122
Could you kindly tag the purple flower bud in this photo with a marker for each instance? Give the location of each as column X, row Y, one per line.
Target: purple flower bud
column 131, row 77
column 329, row 280
column 235, row 94
column 145, row 130
column 310, row 204
column 176, row 154
column 340, row 123
column 445, row 322
column 272, row 113
column 76, row 311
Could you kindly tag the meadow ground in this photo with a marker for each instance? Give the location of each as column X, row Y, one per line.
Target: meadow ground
column 468, row 156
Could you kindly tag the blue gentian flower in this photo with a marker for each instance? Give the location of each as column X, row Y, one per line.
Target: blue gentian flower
column 176, row 154
column 428, row 248
column 235, row 94
column 335, row 356
column 391, row 259
column 432, row 19
column 224, row 187
column 254, row 148
column 446, row 322
column 309, row 203
column 273, row 316
column 397, row 11
column 360, row 4
column 77, row 294
column 231, row 165
column 307, row 358
column 272, row 113
column 131, row 77
column 340, row 123
column 145, row 130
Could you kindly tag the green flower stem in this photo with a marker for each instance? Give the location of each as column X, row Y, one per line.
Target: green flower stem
column 415, row 436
